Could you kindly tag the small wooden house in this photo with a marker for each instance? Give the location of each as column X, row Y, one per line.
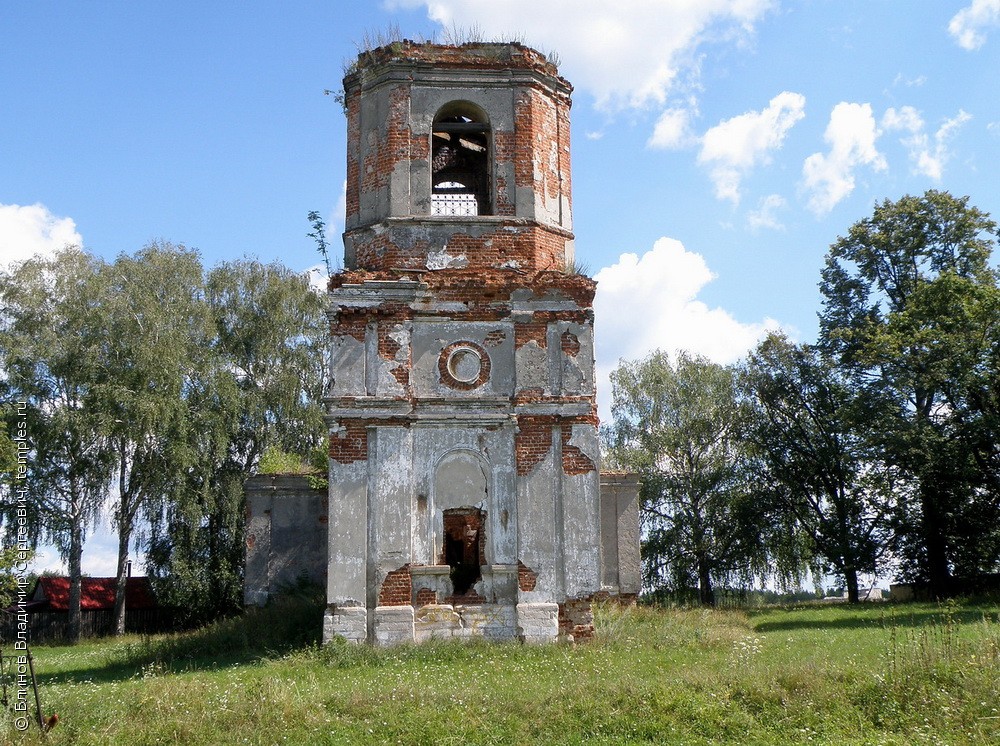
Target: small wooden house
column 48, row 607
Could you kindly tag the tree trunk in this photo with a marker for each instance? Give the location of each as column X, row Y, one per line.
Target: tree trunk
column 124, row 535
column 75, row 561
column 851, row 578
column 935, row 476
column 124, row 521
column 938, row 574
column 706, row 594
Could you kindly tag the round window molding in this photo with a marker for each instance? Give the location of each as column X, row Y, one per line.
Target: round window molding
column 464, row 366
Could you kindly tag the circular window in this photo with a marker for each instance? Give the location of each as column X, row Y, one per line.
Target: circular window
column 464, row 366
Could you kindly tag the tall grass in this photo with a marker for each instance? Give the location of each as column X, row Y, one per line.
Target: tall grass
column 805, row 674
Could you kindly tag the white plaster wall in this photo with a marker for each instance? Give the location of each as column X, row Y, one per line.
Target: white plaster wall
column 390, row 454
column 379, row 380
column 581, row 496
column 533, row 372
column 431, row 337
column 347, row 366
column 258, row 536
column 347, row 527
column 574, row 373
column 473, row 457
column 540, row 527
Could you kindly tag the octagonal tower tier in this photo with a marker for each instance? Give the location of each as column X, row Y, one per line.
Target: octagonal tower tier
column 457, row 157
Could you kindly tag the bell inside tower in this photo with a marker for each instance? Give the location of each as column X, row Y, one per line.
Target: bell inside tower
column 460, row 161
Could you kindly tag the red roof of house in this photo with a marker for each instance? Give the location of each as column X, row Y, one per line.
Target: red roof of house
column 95, row 593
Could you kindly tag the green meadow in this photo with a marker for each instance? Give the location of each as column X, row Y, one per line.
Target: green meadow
column 833, row 674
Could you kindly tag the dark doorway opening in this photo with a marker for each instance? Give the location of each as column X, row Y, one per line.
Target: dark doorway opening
column 464, row 547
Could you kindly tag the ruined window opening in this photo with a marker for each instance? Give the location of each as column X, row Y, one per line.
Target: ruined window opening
column 464, row 547
column 460, row 161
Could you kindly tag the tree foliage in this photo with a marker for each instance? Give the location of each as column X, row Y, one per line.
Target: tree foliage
column 905, row 297
column 152, row 388
column 678, row 425
column 878, row 446
column 260, row 387
column 50, row 361
column 819, row 468
column 152, row 340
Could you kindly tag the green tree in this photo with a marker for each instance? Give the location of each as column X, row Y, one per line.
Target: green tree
column 8, row 454
column 967, row 323
column 884, row 286
column 822, row 475
column 679, row 425
column 262, row 387
column 154, row 333
column 49, row 356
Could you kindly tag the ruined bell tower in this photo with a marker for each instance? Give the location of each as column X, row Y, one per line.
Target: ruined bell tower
column 464, row 485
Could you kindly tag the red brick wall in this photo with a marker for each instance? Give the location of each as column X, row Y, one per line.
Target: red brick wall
column 570, row 344
column 530, row 247
column 426, row 596
column 397, row 588
column 576, row 618
column 379, row 162
column 527, row 578
column 353, row 104
column 388, row 348
column 574, row 461
column 351, row 443
column 532, row 442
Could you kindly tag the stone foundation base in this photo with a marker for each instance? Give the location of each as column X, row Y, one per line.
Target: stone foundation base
column 349, row 622
column 530, row 623
column 393, row 625
column 538, row 622
column 444, row 621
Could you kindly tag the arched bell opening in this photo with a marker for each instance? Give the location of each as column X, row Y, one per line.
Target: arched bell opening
column 461, row 157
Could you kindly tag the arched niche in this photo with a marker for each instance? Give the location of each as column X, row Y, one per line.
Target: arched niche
column 461, row 496
column 461, row 479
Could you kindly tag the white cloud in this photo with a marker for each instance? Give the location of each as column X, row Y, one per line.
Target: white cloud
column 672, row 130
column 334, row 227
column 765, row 214
column 336, row 221
column 26, row 230
column 904, row 118
column 851, row 134
column 969, row 24
column 651, row 302
column 916, row 82
column 733, row 147
column 318, row 278
column 927, row 160
column 629, row 53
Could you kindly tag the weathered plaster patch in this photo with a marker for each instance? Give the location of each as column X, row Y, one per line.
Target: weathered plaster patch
column 443, row 260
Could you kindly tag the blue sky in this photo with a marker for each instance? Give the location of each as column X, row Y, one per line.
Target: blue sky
column 719, row 146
